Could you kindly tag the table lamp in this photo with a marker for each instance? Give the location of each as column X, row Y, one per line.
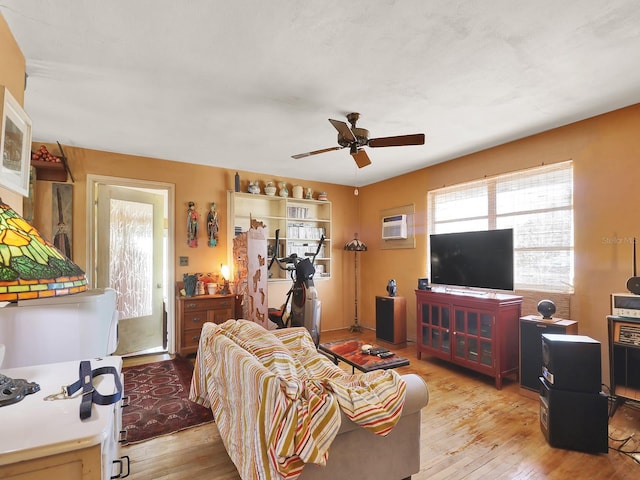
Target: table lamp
column 30, row 266
column 226, row 274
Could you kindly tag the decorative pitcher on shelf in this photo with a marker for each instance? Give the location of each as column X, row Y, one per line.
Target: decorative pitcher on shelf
column 270, row 189
column 254, row 187
column 284, row 192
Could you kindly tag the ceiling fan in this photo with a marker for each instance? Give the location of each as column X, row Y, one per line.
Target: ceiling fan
column 356, row 138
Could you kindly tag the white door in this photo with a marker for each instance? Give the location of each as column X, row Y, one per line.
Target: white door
column 129, row 259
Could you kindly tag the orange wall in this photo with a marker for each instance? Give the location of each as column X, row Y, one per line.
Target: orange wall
column 606, row 155
column 202, row 185
column 12, row 69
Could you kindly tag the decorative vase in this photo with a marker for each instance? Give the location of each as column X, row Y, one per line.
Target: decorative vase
column 270, row 189
column 254, row 187
column 392, row 289
column 284, row 192
column 297, row 191
column 190, row 282
column 308, row 193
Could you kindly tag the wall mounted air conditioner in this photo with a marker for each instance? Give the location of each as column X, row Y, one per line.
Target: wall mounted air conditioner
column 394, row 227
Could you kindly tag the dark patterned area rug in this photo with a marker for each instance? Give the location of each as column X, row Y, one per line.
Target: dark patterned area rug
column 159, row 400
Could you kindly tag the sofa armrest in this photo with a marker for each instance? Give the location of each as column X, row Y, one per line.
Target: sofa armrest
column 417, row 395
column 392, row 457
column 416, row 398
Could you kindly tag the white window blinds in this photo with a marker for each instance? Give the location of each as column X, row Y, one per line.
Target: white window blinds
column 537, row 203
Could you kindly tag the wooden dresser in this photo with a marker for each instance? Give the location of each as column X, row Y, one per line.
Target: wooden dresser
column 192, row 312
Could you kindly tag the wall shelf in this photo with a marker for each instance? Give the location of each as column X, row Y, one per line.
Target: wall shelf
column 50, row 171
column 56, row 170
column 301, row 223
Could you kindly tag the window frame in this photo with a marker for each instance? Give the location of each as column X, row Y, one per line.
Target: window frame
column 537, row 179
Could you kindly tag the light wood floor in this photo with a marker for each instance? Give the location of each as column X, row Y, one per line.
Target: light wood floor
column 470, row 431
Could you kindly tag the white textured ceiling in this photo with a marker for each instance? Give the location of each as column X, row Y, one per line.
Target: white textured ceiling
column 246, row 84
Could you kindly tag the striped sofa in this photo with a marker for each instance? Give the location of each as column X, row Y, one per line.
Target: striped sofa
column 285, row 411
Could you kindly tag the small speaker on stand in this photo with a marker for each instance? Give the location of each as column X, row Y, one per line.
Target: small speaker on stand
column 546, row 308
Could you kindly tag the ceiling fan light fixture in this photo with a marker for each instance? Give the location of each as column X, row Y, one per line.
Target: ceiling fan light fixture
column 361, row 134
column 356, row 137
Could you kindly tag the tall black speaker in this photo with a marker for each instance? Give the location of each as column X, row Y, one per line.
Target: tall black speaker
column 573, row 409
column 391, row 323
column 384, row 318
column 571, row 362
column 574, row 420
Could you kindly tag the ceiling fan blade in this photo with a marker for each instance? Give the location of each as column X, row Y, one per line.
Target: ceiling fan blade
column 399, row 141
column 343, row 130
column 361, row 158
column 315, row 152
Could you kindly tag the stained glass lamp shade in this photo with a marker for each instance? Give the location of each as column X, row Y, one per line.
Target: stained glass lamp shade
column 30, row 266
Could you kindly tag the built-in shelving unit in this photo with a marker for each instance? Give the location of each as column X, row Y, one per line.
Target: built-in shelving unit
column 301, row 223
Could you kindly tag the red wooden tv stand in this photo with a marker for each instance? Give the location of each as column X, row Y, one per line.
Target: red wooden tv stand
column 475, row 330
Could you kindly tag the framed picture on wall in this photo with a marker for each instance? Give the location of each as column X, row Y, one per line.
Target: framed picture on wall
column 15, row 144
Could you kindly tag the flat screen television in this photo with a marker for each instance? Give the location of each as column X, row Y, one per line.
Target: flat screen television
column 481, row 259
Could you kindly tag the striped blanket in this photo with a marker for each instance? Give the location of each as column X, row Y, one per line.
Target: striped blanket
column 277, row 401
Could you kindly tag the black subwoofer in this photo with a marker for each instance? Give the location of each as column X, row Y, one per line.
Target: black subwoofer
column 574, row 420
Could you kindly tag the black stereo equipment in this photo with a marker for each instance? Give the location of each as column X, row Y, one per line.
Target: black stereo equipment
column 423, row 284
column 571, row 362
column 574, row 420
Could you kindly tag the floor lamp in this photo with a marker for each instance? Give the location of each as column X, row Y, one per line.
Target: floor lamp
column 355, row 246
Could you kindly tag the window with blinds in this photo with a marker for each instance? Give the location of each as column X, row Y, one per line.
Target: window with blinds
column 537, row 203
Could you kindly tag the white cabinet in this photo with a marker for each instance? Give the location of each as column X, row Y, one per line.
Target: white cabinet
column 301, row 223
column 47, row 439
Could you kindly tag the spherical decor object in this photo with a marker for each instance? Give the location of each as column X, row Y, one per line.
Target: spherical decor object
column 546, row 308
column 633, row 285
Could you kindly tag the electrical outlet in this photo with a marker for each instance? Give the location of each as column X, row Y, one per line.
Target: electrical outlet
column 184, row 261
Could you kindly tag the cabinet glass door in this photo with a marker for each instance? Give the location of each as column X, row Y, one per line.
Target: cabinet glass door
column 461, row 338
column 473, row 336
column 486, row 339
column 435, row 327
